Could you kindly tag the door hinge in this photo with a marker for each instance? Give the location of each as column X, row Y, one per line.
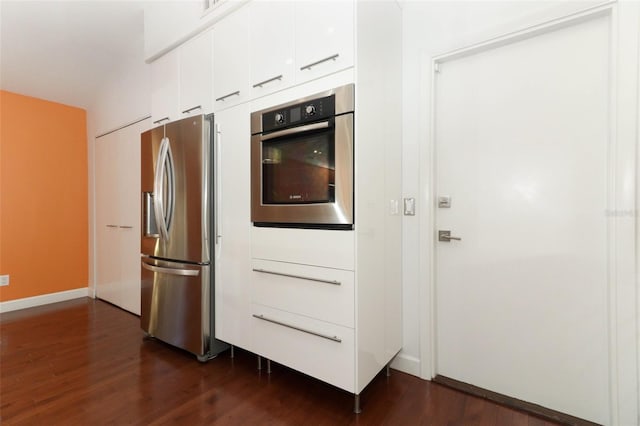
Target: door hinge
column 436, row 67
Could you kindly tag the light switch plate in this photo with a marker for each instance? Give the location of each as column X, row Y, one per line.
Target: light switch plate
column 409, row 206
column 394, row 209
column 4, row 280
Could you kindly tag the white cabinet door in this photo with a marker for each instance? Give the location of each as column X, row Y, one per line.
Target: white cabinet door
column 231, row 60
column 106, row 226
column 271, row 46
column 233, row 227
column 117, row 183
column 195, row 76
column 324, row 37
column 165, row 88
column 128, row 201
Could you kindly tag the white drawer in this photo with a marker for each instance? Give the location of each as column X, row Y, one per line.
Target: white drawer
column 321, row 350
column 317, row 247
column 322, row 293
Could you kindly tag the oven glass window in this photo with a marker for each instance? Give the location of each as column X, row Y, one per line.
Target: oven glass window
column 299, row 170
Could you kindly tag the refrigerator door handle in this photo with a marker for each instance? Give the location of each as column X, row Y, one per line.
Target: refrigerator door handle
column 164, row 167
column 171, row 271
column 171, row 188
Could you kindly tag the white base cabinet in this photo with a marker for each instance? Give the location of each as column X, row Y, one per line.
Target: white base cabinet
column 323, row 293
column 317, row 348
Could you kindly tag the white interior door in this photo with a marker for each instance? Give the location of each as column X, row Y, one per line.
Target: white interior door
column 521, row 140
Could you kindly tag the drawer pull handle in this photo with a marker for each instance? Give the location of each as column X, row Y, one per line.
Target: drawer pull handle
column 320, row 280
column 324, row 336
column 328, row 58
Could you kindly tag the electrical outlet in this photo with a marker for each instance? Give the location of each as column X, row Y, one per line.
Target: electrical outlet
column 4, row 280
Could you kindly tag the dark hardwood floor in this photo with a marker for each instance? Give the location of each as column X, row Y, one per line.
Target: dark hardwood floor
column 84, row 362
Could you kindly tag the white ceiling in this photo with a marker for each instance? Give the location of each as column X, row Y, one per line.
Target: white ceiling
column 61, row 50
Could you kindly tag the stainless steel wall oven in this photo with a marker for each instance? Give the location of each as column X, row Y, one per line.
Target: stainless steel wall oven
column 302, row 162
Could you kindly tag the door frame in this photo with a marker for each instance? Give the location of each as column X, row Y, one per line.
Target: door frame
column 623, row 193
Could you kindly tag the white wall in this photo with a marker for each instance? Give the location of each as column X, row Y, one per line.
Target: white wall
column 122, row 99
column 431, row 28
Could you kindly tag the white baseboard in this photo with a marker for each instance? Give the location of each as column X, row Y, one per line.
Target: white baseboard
column 406, row 364
column 45, row 299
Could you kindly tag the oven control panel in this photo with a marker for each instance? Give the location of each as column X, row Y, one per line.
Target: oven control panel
column 299, row 114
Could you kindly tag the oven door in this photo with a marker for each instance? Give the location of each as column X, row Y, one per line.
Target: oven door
column 303, row 176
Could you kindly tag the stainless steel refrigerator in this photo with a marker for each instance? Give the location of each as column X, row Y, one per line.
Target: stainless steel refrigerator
column 177, row 235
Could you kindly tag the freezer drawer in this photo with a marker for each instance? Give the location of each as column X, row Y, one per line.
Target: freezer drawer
column 176, row 304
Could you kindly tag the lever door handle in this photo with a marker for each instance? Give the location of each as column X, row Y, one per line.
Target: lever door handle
column 446, row 236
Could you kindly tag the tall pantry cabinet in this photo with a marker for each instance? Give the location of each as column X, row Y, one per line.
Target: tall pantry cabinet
column 362, row 317
column 117, row 185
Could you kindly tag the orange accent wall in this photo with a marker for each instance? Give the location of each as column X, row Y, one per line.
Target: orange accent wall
column 43, row 197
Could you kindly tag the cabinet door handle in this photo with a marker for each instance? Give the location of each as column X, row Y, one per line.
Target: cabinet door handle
column 217, row 189
column 320, row 280
column 262, row 83
column 294, row 327
column 222, row 98
column 186, row 111
column 311, row 65
column 161, row 120
column 126, row 227
column 112, row 226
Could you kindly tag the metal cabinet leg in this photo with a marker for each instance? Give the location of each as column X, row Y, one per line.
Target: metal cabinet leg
column 259, row 362
column 268, row 366
column 356, row 404
column 232, row 351
column 388, row 371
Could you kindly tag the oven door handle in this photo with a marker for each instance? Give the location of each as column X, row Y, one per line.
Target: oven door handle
column 295, row 130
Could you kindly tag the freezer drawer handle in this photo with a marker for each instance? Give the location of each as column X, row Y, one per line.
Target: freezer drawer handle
column 324, row 336
column 182, row 272
column 320, row 280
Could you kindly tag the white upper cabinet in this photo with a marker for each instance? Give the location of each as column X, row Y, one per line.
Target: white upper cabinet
column 165, row 88
column 231, row 60
column 272, row 46
column 324, row 35
column 195, row 75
